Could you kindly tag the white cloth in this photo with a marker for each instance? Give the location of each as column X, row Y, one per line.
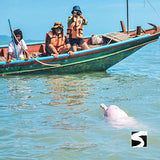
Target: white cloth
column 19, row 49
column 96, row 39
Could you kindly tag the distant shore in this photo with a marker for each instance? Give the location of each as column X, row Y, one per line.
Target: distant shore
column 4, row 40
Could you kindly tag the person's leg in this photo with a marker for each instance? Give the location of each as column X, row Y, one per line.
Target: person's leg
column 74, row 48
column 73, row 43
column 83, row 44
column 65, row 49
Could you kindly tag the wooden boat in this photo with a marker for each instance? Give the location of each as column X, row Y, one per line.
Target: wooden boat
column 116, row 47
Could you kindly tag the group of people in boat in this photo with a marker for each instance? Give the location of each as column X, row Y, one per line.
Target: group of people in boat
column 56, row 42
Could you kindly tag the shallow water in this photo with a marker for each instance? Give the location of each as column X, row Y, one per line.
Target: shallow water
column 59, row 116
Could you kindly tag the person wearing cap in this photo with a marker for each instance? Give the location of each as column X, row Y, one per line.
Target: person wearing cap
column 75, row 29
column 56, row 41
column 11, row 49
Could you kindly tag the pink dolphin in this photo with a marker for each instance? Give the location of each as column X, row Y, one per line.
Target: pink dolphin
column 117, row 117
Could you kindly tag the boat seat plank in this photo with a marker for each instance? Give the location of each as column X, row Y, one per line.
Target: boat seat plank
column 94, row 45
column 117, row 36
column 2, row 59
column 90, row 46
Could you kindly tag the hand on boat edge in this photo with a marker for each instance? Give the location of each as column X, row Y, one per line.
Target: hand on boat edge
column 70, row 53
column 26, row 59
column 54, row 55
column 8, row 60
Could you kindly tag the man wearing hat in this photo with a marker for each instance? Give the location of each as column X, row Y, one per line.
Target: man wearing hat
column 75, row 29
column 56, row 42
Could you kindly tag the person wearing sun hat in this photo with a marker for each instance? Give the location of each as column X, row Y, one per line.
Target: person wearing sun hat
column 56, row 42
column 75, row 29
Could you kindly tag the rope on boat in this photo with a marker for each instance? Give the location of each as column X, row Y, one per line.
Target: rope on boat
column 45, row 64
column 153, row 8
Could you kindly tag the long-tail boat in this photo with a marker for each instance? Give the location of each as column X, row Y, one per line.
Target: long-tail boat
column 115, row 47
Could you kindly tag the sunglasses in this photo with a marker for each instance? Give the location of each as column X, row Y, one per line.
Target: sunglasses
column 59, row 28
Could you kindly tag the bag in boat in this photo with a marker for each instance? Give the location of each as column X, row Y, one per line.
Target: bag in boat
column 96, row 39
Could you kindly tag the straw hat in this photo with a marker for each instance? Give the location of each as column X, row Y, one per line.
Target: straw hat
column 56, row 25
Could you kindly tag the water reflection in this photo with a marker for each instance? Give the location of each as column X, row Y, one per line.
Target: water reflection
column 18, row 87
column 17, row 91
column 68, row 90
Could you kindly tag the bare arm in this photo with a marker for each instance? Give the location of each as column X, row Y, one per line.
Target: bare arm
column 50, row 48
column 85, row 22
column 9, row 57
column 26, row 54
column 53, row 49
column 70, row 20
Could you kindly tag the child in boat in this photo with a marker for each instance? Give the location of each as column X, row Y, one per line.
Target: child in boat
column 11, row 49
column 75, row 29
column 56, row 42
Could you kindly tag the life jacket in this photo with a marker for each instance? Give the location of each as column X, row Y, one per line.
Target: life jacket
column 57, row 41
column 75, row 31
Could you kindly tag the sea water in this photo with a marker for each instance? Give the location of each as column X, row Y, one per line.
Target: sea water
column 59, row 116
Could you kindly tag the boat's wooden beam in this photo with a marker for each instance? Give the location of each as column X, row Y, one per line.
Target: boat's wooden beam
column 138, row 32
column 123, row 26
column 154, row 26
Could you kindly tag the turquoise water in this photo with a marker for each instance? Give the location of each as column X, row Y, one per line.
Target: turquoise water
column 59, row 116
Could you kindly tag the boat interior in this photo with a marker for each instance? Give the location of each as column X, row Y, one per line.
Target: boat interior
column 38, row 50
